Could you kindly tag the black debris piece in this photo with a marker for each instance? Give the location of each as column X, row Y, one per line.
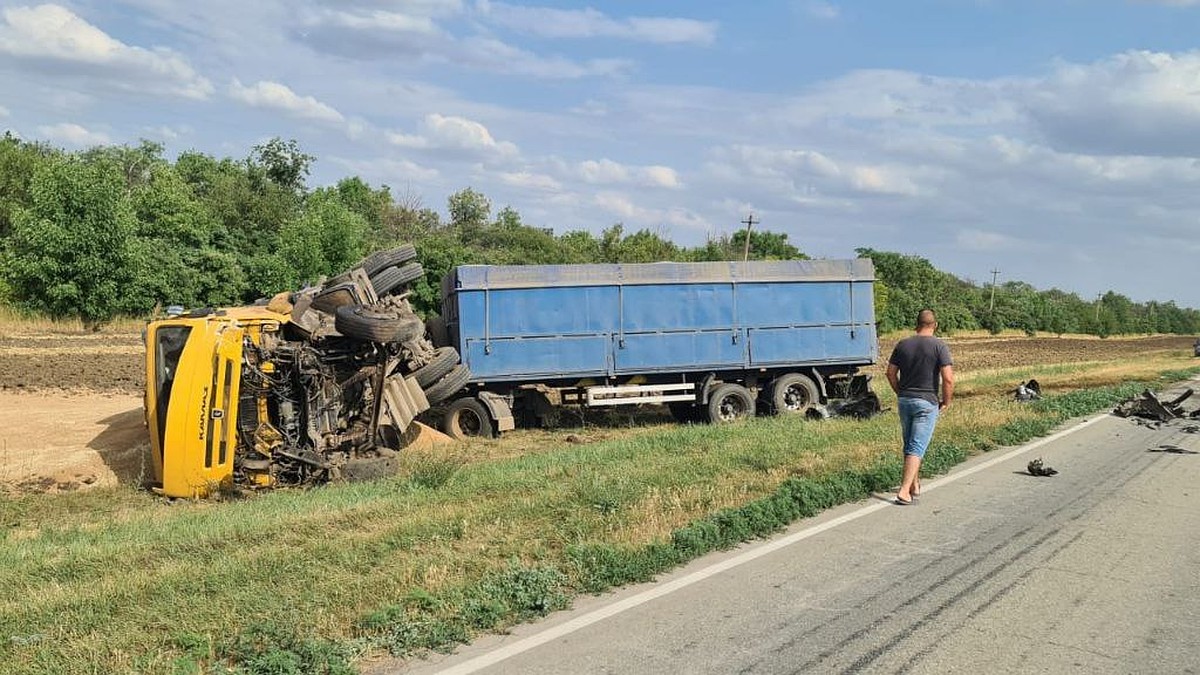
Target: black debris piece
column 1028, row 391
column 1149, row 406
column 1174, row 450
column 1038, row 468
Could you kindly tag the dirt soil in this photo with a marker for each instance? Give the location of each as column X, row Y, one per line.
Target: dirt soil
column 76, row 399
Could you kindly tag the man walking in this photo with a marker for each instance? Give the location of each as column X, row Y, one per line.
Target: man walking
column 917, row 364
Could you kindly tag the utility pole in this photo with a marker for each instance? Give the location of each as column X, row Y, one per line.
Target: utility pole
column 992, row 302
column 749, row 222
column 1098, row 296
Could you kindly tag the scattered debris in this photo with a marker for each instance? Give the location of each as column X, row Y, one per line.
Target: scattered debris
column 1037, row 468
column 1174, row 450
column 1149, row 406
column 1028, row 391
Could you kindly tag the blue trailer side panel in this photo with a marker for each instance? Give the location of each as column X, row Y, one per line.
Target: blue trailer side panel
column 554, row 321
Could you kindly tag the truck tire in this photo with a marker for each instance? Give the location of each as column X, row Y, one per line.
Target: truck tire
column 729, row 402
column 377, row 325
column 468, row 418
column 793, row 394
column 380, row 260
column 394, row 277
column 443, row 361
column 446, row 387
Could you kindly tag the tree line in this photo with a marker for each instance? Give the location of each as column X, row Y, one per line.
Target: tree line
column 122, row 231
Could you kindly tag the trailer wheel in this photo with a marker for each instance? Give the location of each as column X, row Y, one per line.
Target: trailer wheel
column 794, row 393
column 383, row 259
column 377, row 325
column 443, row 361
column 729, row 402
column 453, row 381
column 467, row 418
column 394, row 277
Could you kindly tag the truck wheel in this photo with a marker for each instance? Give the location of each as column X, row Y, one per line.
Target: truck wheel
column 729, row 402
column 794, row 393
column 446, row 387
column 377, row 325
column 443, row 361
column 380, row 260
column 394, row 277
column 467, row 418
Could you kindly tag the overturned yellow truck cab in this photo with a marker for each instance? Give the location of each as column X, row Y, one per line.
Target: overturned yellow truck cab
column 321, row 384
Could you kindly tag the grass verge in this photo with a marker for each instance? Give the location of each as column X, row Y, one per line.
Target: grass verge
column 463, row 542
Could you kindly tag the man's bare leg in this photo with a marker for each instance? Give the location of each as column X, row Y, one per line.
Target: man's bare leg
column 912, row 469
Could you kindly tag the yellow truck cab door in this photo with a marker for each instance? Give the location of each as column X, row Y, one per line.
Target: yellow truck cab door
column 193, row 375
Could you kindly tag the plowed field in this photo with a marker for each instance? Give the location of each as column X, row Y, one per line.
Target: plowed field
column 73, row 402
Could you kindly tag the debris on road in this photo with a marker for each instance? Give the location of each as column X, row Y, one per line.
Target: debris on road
column 1174, row 450
column 1038, row 468
column 1028, row 391
column 1149, row 406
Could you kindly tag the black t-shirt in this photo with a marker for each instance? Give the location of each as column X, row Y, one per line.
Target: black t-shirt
column 920, row 359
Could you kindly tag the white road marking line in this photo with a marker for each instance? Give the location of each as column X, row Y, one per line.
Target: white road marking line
column 578, row 623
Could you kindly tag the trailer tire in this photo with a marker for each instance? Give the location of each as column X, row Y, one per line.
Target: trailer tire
column 446, row 387
column 793, row 394
column 443, row 361
column 468, row 418
column 364, row 322
column 380, row 260
column 729, row 402
column 394, row 277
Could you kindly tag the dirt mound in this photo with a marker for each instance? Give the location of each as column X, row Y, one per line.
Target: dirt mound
column 69, row 441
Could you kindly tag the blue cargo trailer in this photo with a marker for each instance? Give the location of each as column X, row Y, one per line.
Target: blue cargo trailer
column 715, row 341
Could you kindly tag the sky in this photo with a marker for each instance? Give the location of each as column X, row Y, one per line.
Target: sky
column 1056, row 142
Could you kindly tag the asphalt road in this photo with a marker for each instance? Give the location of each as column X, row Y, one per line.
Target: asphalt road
column 1096, row 569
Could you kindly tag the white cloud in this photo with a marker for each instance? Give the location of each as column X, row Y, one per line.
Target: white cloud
column 489, row 54
column 387, row 170
column 416, row 35
column 980, row 240
column 660, row 176
column 530, row 181
column 1137, row 102
column 632, row 214
column 603, row 171
column 590, row 23
column 449, row 132
column 607, row 172
column 275, row 96
column 822, row 10
column 52, row 37
column 74, row 135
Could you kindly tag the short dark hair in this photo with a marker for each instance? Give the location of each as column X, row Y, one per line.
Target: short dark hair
column 926, row 318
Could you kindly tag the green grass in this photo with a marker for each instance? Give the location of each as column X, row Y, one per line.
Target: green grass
column 308, row 581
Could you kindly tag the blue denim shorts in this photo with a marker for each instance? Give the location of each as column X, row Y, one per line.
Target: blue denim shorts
column 917, row 419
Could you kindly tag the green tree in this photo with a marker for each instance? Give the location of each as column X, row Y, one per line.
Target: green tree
column 283, row 162
column 325, row 240
column 69, row 252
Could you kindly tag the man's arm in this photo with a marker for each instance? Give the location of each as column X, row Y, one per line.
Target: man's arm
column 947, row 387
column 893, row 377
